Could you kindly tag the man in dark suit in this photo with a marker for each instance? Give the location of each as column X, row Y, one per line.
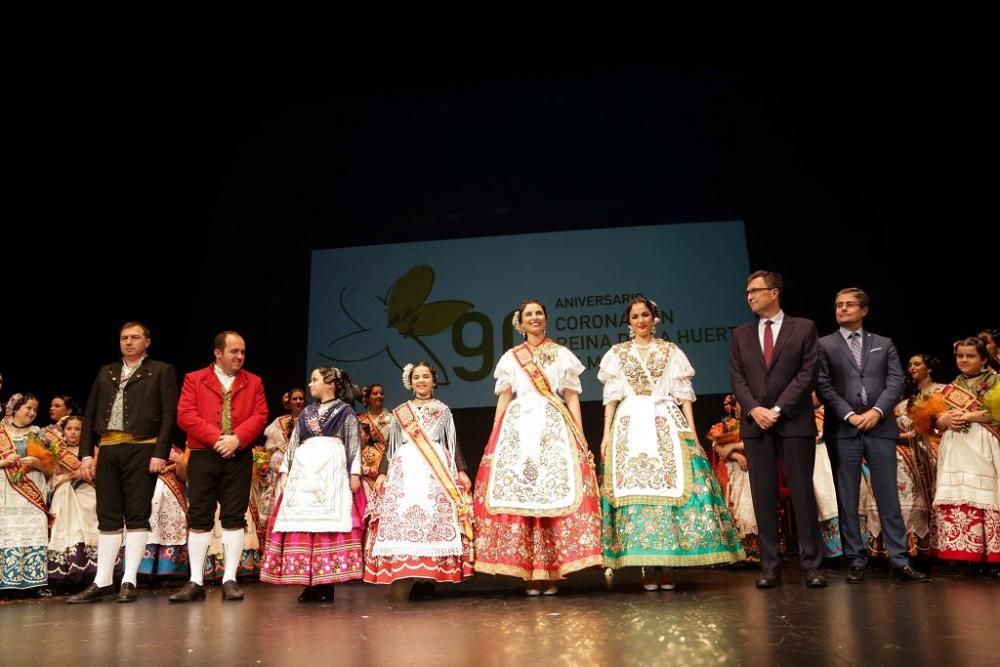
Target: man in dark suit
column 130, row 414
column 860, row 381
column 772, row 365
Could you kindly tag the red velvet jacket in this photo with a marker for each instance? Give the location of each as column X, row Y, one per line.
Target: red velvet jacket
column 199, row 411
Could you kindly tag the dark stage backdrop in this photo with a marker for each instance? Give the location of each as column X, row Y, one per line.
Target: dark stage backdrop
column 203, row 201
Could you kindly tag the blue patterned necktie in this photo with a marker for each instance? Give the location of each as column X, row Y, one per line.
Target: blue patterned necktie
column 855, row 339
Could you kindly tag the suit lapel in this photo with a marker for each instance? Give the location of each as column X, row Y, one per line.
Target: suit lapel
column 212, row 382
column 755, row 344
column 845, row 350
column 115, row 373
column 139, row 374
column 866, row 347
column 239, row 382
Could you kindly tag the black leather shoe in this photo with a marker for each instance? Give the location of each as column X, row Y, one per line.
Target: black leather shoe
column 92, row 593
column 127, row 593
column 324, row 592
column 815, row 578
column 422, row 590
column 231, row 590
column 907, row 573
column 190, row 592
column 769, row 578
column 319, row 593
column 856, row 574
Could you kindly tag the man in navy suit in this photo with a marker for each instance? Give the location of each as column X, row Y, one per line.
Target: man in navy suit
column 860, row 381
column 772, row 365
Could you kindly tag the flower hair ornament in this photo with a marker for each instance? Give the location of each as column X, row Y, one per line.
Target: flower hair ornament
column 656, row 313
column 516, row 323
column 11, row 402
column 407, row 372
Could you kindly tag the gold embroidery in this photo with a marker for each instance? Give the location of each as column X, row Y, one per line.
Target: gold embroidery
column 538, row 483
column 643, row 378
column 643, row 470
column 545, row 354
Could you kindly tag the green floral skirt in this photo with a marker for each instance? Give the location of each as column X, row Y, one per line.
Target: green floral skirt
column 700, row 532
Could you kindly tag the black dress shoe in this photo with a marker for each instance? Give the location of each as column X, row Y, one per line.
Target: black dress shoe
column 318, row 593
column 815, row 578
column 422, row 590
column 231, row 590
column 907, row 573
column 127, row 593
column 324, row 592
column 92, row 593
column 769, row 578
column 856, row 574
column 190, row 592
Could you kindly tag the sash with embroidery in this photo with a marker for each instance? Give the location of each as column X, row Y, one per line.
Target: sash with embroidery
column 373, row 427
column 28, row 489
column 408, row 422
column 68, row 459
column 524, row 358
column 174, row 483
column 69, row 462
column 176, row 486
column 962, row 399
column 649, row 464
column 287, row 425
column 377, row 439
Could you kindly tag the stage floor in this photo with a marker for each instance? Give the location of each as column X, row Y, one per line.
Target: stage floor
column 714, row 617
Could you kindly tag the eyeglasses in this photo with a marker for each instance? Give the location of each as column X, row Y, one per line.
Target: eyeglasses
column 754, row 290
column 847, row 304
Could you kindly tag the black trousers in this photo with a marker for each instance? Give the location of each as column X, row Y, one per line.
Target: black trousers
column 798, row 456
column 124, row 486
column 212, row 481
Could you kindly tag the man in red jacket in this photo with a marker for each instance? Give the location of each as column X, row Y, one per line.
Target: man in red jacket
column 222, row 409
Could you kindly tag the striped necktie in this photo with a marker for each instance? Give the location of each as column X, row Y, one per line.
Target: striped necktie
column 855, row 339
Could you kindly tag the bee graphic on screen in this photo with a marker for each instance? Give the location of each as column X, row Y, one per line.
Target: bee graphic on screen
column 408, row 320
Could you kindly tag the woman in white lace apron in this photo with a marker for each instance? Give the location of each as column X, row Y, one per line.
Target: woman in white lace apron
column 26, row 464
column 538, row 514
column 315, row 531
column 662, row 506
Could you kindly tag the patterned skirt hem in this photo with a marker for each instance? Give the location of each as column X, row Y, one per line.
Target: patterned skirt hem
column 385, row 570
column 537, row 574
column 675, row 560
column 970, row 556
column 306, row 580
column 76, row 564
column 74, row 573
column 22, row 586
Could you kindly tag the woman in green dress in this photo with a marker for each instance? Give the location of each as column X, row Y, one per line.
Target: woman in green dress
column 662, row 505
